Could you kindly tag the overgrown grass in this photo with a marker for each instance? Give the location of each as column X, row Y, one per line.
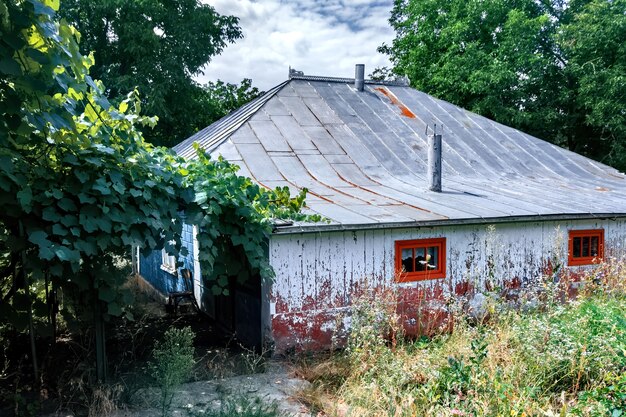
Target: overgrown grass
column 240, row 406
column 560, row 359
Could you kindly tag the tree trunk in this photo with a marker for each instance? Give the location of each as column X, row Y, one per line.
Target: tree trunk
column 101, row 359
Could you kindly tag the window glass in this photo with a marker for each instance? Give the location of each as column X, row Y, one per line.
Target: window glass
column 168, row 262
column 576, row 250
column 585, row 246
column 433, row 258
column 594, row 246
column 407, row 260
column 420, row 259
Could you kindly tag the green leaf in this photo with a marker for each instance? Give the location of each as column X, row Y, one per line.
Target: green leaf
column 9, row 66
column 53, row 4
column 39, row 238
column 83, row 177
column 56, row 193
column 86, row 198
column 67, row 205
column 216, row 290
column 66, row 254
column 114, row 309
column 119, row 187
column 106, row 294
column 102, row 186
column 127, row 296
column 51, row 214
column 58, row 230
column 87, row 247
column 38, row 56
column 25, row 198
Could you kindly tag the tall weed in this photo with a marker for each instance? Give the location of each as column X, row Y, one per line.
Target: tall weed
column 561, row 358
column 172, row 363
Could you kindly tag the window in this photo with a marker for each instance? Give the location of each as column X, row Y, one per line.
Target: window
column 421, row 259
column 585, row 247
column 168, row 262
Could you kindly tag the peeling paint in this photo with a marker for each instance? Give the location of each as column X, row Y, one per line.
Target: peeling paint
column 313, row 295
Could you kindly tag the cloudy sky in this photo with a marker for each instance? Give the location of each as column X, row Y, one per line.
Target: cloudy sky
column 319, row 37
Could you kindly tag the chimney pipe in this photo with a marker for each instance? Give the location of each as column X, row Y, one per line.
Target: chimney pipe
column 434, row 162
column 359, row 77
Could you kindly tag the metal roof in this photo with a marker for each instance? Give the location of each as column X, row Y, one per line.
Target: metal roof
column 362, row 156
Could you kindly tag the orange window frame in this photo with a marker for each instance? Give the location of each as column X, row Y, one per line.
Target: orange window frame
column 580, row 258
column 438, row 272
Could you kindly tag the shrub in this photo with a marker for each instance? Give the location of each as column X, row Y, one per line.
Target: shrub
column 172, row 363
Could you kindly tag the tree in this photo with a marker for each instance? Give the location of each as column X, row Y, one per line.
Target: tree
column 593, row 42
column 158, row 46
column 220, row 98
column 528, row 64
column 80, row 185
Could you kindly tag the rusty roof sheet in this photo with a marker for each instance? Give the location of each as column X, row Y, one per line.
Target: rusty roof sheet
column 362, row 156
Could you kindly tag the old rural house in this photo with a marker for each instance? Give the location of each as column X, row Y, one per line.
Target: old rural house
column 510, row 206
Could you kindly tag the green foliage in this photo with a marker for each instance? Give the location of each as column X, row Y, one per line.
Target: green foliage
column 80, row 186
column 158, row 47
column 608, row 399
column 172, row 363
column 566, row 360
column 234, row 216
column 79, row 183
column 592, row 41
column 219, row 98
column 554, row 69
column 577, row 345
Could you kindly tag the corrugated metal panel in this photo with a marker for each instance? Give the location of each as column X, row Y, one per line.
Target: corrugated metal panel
column 220, row 130
column 362, row 155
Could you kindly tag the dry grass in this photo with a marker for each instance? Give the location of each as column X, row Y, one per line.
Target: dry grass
column 560, row 359
column 104, row 400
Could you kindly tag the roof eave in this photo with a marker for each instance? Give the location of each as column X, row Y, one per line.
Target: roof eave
column 318, row 227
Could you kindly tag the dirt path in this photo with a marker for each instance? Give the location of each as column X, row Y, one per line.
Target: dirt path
column 276, row 386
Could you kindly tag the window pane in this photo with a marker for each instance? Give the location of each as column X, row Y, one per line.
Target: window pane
column 407, row 260
column 585, row 246
column 594, row 246
column 576, row 248
column 420, row 259
column 433, row 257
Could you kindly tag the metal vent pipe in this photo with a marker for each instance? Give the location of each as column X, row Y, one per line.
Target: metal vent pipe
column 434, row 163
column 359, row 77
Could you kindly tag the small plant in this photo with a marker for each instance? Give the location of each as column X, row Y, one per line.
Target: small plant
column 607, row 399
column 254, row 362
column 239, row 406
column 104, row 400
column 172, row 363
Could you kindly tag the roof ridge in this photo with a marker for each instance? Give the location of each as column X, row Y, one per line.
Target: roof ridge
column 298, row 75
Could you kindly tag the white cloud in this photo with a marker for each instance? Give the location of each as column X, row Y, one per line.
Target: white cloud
column 325, row 37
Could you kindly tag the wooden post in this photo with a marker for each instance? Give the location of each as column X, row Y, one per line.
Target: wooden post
column 134, row 256
column 31, row 327
column 434, row 163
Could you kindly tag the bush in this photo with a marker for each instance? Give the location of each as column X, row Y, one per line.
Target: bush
column 172, row 363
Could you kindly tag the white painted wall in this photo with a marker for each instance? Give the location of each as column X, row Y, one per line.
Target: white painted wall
column 316, row 271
